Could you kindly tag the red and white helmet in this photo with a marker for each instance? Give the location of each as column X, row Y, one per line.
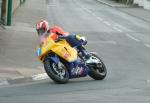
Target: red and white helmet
column 42, row 27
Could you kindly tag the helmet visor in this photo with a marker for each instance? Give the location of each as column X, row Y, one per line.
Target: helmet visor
column 40, row 31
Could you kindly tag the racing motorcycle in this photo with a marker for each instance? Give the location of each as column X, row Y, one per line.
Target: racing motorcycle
column 63, row 62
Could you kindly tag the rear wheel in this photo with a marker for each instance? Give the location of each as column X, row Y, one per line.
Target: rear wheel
column 57, row 72
column 99, row 71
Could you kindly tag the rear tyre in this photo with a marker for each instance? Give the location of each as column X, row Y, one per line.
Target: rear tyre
column 57, row 72
column 98, row 72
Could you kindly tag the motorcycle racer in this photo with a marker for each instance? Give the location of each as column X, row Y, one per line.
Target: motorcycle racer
column 74, row 40
column 58, row 33
column 61, row 61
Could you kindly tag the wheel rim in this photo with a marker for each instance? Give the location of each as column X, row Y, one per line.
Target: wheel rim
column 100, row 66
column 59, row 70
column 101, row 71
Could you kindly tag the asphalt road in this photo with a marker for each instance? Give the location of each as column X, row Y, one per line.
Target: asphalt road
column 122, row 41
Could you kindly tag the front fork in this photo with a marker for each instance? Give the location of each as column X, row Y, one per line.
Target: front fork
column 54, row 58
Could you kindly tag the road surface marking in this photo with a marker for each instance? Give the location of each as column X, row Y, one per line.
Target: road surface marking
column 148, row 81
column 40, row 76
column 5, row 82
column 147, row 45
column 86, row 9
column 133, row 38
column 117, row 29
column 107, row 23
column 99, row 18
column 122, row 27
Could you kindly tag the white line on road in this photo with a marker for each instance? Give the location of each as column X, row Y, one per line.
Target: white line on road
column 118, row 25
column 5, row 82
column 107, row 23
column 147, row 45
column 148, row 81
column 133, row 38
column 40, row 76
column 117, row 29
column 99, row 18
column 87, row 10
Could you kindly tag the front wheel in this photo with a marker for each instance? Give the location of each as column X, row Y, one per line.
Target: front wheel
column 57, row 72
column 99, row 71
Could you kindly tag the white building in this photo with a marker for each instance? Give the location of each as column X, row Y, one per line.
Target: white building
column 143, row 3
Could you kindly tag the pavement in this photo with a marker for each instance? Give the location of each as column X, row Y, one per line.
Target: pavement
column 18, row 61
column 132, row 10
column 123, row 43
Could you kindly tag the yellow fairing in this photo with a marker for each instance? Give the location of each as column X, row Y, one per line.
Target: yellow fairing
column 61, row 48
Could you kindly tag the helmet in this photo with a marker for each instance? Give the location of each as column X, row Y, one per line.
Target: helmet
column 58, row 30
column 42, row 27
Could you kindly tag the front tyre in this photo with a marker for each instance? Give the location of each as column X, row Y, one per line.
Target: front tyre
column 57, row 72
column 99, row 71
